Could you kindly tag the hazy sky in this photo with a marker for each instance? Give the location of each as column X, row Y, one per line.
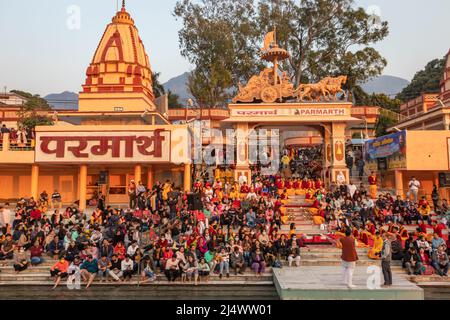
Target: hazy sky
column 40, row 54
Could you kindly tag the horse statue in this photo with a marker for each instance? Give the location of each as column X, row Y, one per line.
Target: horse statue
column 312, row 91
column 334, row 87
column 326, row 89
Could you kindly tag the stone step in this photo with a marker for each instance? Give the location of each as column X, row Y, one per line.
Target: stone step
column 335, row 262
column 220, row 283
column 430, row 279
column 163, row 291
column 160, row 278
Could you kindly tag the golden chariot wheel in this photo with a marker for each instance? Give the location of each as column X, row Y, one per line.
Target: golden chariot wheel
column 269, row 95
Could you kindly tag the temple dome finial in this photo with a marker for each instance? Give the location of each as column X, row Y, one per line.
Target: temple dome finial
column 120, row 72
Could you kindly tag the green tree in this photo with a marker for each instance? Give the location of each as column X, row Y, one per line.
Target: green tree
column 34, row 112
column 383, row 123
column 361, row 98
column 222, row 38
column 325, row 37
column 35, row 102
column 159, row 90
column 424, row 81
column 219, row 37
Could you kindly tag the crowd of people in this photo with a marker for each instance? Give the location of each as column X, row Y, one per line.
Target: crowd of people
column 18, row 137
column 235, row 227
column 302, row 162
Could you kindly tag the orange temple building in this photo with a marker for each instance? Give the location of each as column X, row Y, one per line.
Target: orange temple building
column 116, row 136
column 122, row 133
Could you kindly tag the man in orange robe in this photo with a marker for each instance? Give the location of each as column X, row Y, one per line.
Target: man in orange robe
column 373, row 189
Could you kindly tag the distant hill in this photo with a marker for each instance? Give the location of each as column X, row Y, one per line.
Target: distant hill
column 388, row 85
column 69, row 100
column 178, row 85
column 63, row 101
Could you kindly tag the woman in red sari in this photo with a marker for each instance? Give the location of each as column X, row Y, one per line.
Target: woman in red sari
column 287, row 184
column 280, row 185
column 296, row 185
column 318, row 184
column 304, row 184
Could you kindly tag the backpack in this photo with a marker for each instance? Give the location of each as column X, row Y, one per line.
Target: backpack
column 277, row 264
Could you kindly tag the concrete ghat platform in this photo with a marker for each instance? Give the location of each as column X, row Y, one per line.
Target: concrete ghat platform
column 325, row 283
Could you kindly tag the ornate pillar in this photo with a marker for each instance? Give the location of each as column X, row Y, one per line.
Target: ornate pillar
column 399, row 182
column 328, row 152
column 242, row 150
column 35, row 181
column 150, row 177
column 338, row 170
column 177, row 178
column 83, row 186
column 187, row 177
column 137, row 173
column 6, row 142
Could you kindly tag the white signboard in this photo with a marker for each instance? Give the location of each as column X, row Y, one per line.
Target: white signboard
column 301, row 112
column 103, row 147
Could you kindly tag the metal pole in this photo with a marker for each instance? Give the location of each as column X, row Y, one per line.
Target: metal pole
column 139, row 264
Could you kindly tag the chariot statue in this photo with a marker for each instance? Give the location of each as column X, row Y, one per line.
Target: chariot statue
column 273, row 85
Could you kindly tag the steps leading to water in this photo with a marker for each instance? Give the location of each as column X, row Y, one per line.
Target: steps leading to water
column 154, row 291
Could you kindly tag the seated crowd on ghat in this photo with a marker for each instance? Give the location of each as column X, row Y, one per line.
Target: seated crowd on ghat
column 238, row 229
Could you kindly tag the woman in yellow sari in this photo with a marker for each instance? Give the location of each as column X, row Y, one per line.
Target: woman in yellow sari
column 375, row 252
column 234, row 194
column 166, row 189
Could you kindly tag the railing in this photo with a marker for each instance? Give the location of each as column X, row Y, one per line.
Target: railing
column 206, row 113
column 8, row 144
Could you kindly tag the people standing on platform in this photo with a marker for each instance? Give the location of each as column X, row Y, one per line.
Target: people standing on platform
column 4, row 217
column 360, row 164
column 373, row 185
column 285, row 166
column 132, row 194
column 414, row 186
column 349, row 161
column 435, row 197
column 56, row 200
column 242, row 179
column 349, row 258
column 386, row 257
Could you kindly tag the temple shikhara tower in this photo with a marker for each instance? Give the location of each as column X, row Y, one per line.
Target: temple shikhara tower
column 119, row 76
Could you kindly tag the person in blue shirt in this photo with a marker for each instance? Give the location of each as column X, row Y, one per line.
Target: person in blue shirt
column 89, row 269
column 437, row 242
column 251, row 217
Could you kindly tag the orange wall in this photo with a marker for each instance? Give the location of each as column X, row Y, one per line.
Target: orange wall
column 14, row 183
column 427, row 150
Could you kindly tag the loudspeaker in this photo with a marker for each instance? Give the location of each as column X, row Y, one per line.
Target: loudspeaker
column 382, row 164
column 194, row 201
column 444, row 180
column 103, row 179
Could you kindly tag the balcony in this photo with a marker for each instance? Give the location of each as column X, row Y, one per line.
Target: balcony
column 13, row 152
column 206, row 114
column 364, row 111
